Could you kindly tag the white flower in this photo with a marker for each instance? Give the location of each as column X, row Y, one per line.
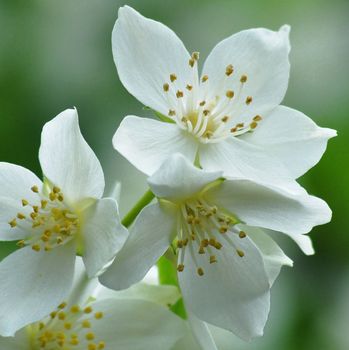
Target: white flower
column 53, row 220
column 229, row 119
column 135, row 319
column 226, row 264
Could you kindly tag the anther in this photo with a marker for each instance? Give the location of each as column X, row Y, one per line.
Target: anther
column 225, row 119
column 179, row 94
column 24, row 202
column 218, row 245
column 98, row 315
column 240, row 253
column 101, row 345
column 189, row 87
column 202, row 103
column 229, row 70
column 253, row 125
column 88, row 310
column 206, row 112
column 180, row 267
column 195, row 55
column 35, row 189
column 201, row 250
column 90, row 336
column 166, row 87
column 243, row 78
column 248, row 100
column 75, row 309
column 56, row 189
column 257, row 118
column 191, row 62
column 36, row 247
column 242, row 234
column 204, row 78
column 229, row 94
column 43, row 204
column 173, row 77
column 213, row 259
column 13, row 223
column 200, row 271
column 86, row 324
column 171, row 112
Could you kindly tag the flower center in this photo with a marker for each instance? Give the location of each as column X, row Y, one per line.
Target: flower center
column 49, row 222
column 66, row 328
column 209, row 119
column 203, row 229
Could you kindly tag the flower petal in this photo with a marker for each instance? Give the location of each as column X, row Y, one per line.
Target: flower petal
column 146, row 143
column 201, row 333
column 149, row 238
column 19, row 342
column 33, row 284
column 233, row 293
column 177, row 178
column 136, row 325
column 274, row 258
column 292, row 138
column 103, row 234
column 241, row 159
column 145, row 53
column 272, row 208
column 261, row 55
column 68, row 161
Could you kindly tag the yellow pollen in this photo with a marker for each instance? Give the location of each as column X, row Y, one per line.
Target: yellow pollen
column 213, row 259
column 243, row 78
column 171, row 112
column 180, row 267
column 20, row 216
column 229, row 70
column 200, row 271
column 201, row 250
column 60, row 197
column 225, row 119
column 242, row 234
column 179, row 94
column 191, row 62
column 98, row 315
column 206, row 112
column 173, row 77
column 202, row 103
column 86, row 324
column 67, row 325
column 36, row 247
column 229, row 94
column 24, row 202
column 218, row 245
column 253, row 125
column 101, row 345
column 189, row 87
column 75, row 309
column 43, row 204
column 13, row 223
column 20, row 243
column 61, row 315
column 92, row 347
column 257, row 118
column 240, row 253
column 88, row 310
column 248, row 100
column 52, row 196
column 195, row 55
column 166, row 87
column 35, row 189
column 90, row 336
column 204, row 78
column 56, row 189
column 74, row 341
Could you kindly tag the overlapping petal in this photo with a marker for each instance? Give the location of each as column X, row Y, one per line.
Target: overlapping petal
column 148, row 240
column 68, row 161
column 33, row 284
column 147, row 143
column 103, row 234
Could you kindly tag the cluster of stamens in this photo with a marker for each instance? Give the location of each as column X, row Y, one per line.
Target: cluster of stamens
column 67, row 328
column 48, row 222
column 210, row 120
column 202, row 229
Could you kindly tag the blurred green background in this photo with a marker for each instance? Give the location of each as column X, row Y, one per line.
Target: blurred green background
column 57, row 54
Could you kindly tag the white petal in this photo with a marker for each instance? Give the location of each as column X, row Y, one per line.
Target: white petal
column 136, row 325
column 161, row 294
column 262, row 55
column 102, row 234
column 233, row 293
column 146, row 143
column 304, row 243
column 33, row 284
column 177, row 178
column 20, row 341
column 149, row 238
column 273, row 256
column 292, row 138
column 272, row 208
column 68, row 161
column 201, row 333
column 145, row 53
column 240, row 159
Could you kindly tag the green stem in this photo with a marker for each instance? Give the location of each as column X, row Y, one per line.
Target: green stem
column 133, row 213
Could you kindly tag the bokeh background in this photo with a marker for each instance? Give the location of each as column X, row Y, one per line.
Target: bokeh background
column 57, row 54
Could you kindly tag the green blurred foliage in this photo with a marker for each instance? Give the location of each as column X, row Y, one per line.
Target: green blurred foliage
column 57, row 54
